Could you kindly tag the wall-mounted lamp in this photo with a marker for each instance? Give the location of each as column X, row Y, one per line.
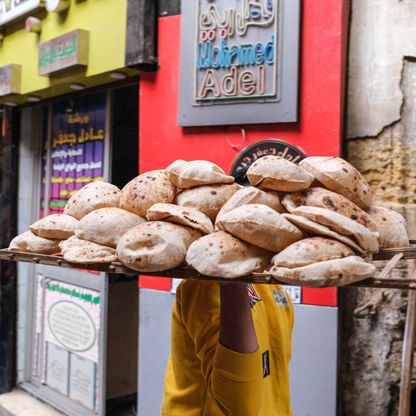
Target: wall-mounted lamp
column 33, row 25
column 33, row 98
column 118, row 75
column 57, row 5
column 77, row 87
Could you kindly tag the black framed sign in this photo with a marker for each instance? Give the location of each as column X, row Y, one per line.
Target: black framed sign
column 259, row 149
column 239, row 62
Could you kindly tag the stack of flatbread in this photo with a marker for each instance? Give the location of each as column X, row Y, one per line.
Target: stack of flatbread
column 87, row 232
column 315, row 215
column 312, row 224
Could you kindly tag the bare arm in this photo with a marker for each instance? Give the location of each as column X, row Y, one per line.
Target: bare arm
column 237, row 331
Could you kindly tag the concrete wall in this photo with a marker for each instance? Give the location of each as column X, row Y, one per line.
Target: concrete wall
column 382, row 144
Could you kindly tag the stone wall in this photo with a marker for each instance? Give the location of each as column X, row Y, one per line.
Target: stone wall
column 381, row 143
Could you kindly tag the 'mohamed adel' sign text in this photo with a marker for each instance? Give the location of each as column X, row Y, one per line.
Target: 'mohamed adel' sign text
column 239, row 62
column 64, row 52
column 236, row 56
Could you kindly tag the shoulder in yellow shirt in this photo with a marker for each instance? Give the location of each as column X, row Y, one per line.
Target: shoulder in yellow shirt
column 203, row 378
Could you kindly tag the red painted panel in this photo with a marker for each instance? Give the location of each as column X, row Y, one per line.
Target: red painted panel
column 318, row 131
column 324, row 297
column 157, row 283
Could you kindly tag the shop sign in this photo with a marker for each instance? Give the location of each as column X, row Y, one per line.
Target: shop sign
column 14, row 9
column 250, row 154
column 236, row 51
column 10, row 77
column 236, row 54
column 64, row 52
column 77, row 148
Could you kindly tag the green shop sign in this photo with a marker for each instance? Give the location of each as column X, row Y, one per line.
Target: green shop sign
column 64, row 52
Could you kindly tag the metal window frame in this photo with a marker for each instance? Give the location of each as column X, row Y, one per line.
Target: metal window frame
column 100, row 283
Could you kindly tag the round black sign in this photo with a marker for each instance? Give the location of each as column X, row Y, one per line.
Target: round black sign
column 259, row 149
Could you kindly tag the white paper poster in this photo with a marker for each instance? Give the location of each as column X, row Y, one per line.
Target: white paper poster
column 295, row 293
column 82, row 381
column 70, row 321
column 72, row 318
column 57, row 368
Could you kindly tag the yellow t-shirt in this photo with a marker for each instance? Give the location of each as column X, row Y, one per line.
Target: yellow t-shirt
column 203, row 378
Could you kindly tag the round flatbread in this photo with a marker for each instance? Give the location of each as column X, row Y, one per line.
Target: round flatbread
column 208, row 199
column 55, row 226
column 340, row 176
column 80, row 251
column 188, row 216
column 278, row 174
column 324, row 198
column 338, row 272
column 221, row 255
column 196, row 172
column 105, row 226
column 28, row 242
column 368, row 240
column 314, row 228
column 252, row 195
column 311, row 250
column 155, row 246
column 146, row 190
column 391, row 226
column 261, row 226
column 93, row 196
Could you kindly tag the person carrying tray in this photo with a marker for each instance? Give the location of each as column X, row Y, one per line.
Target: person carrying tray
column 230, row 351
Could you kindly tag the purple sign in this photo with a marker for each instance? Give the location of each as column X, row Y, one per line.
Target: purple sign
column 76, row 147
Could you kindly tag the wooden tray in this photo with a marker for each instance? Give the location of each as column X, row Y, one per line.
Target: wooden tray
column 186, row 272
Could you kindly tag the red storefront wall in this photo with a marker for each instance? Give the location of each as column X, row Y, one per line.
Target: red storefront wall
column 321, row 110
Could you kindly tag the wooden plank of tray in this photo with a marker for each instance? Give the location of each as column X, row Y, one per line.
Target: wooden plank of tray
column 388, row 253
column 185, row 272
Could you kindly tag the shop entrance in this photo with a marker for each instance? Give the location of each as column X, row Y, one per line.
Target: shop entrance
column 80, row 345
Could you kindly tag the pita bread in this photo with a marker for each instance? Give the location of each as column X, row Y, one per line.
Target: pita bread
column 93, row 196
column 339, row 176
column 277, row 173
column 80, row 251
column 252, row 195
column 323, row 198
column 146, row 190
column 311, row 250
column 189, row 216
column 338, row 272
column 55, row 226
column 155, row 246
column 28, row 242
column 221, row 255
column 366, row 239
column 208, row 199
column 391, row 226
column 312, row 227
column 105, row 226
column 261, row 226
column 196, row 172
